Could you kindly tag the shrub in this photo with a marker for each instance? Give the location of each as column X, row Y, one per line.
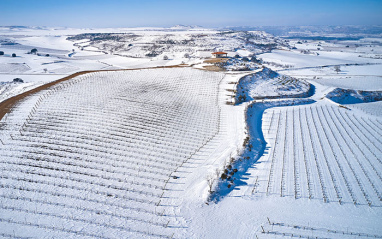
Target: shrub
column 34, row 51
column 223, row 176
column 337, row 69
column 165, row 57
column 242, row 98
column 152, row 54
column 246, row 140
column 18, row 80
column 254, row 59
column 13, row 54
column 1, row 53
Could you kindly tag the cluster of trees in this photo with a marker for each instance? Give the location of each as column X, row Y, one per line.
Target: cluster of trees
column 246, row 59
column 152, row 54
column 103, row 36
column 35, row 51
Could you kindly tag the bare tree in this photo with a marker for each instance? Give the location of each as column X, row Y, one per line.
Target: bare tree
column 217, row 173
column 210, row 182
column 231, row 159
column 337, row 69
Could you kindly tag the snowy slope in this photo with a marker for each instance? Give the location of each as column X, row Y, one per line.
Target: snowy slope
column 269, row 84
column 343, row 96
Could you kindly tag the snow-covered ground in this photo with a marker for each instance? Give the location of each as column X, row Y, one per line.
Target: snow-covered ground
column 346, row 96
column 64, row 51
column 314, row 167
column 367, row 83
column 269, row 84
column 141, row 153
column 8, row 88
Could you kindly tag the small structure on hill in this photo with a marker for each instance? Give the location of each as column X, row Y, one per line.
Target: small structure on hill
column 219, row 54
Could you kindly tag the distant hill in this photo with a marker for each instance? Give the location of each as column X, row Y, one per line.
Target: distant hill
column 301, row 31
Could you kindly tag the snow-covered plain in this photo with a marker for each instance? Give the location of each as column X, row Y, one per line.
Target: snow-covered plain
column 133, row 154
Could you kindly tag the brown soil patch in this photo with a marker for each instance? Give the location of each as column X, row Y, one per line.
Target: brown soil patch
column 213, row 68
column 216, row 60
column 8, row 104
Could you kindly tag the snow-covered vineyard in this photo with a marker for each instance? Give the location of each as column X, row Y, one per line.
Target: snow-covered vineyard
column 96, row 156
column 323, row 152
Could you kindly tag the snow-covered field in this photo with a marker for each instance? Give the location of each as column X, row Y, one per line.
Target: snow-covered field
column 319, row 151
column 165, row 153
column 100, row 153
column 367, row 83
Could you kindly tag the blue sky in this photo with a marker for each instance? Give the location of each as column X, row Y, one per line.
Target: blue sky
column 214, row 13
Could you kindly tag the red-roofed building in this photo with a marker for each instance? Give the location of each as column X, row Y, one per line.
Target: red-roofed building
column 219, row 54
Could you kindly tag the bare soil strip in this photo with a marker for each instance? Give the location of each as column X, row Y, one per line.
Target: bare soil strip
column 7, row 105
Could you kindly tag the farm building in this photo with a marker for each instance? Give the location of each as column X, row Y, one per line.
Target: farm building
column 219, row 54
